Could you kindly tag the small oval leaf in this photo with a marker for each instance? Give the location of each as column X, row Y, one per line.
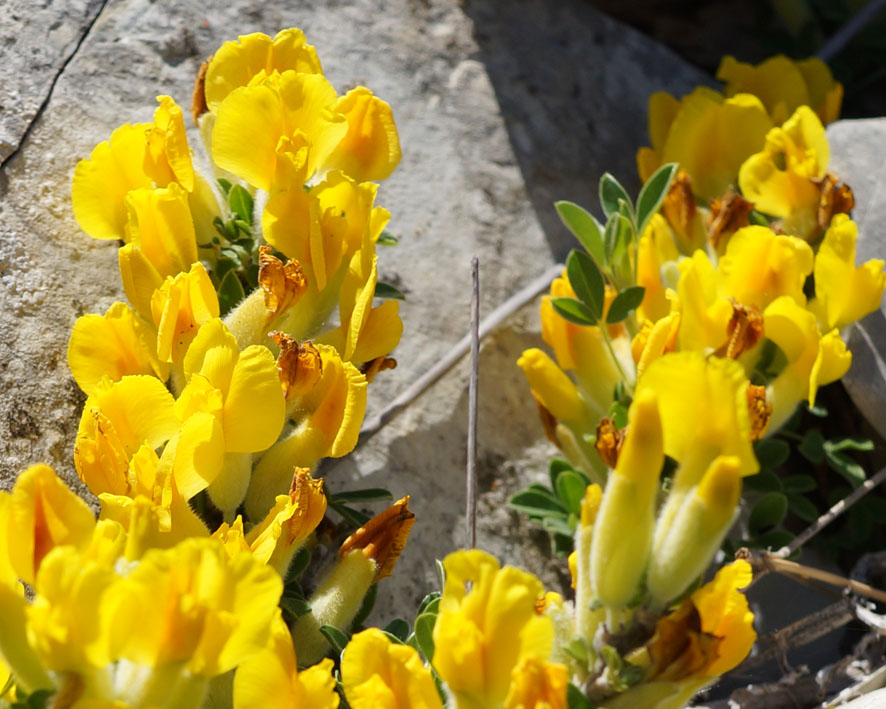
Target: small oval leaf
column 574, row 311
column 653, row 194
column 768, row 512
column 625, row 302
column 586, row 280
column 611, row 192
column 583, row 226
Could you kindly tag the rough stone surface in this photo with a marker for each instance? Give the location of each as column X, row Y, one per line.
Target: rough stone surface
column 498, row 115
column 857, row 157
column 36, row 40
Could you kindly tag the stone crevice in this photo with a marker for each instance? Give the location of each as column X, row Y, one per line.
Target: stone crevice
column 55, row 78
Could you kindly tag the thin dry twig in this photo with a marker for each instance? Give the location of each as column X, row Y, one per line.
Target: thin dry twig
column 832, row 514
column 448, row 360
column 471, row 473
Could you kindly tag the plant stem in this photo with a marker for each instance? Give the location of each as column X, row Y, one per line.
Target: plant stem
column 624, row 377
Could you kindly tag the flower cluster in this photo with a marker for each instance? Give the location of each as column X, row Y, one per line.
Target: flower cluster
column 689, row 333
column 211, row 396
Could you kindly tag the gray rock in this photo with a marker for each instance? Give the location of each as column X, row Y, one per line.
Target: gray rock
column 462, row 106
column 857, row 152
column 37, row 41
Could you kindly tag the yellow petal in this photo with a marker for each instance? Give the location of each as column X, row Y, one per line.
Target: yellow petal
column 168, row 157
column 371, row 148
column 377, row 673
column 181, row 305
column 254, row 405
column 160, row 225
column 236, row 62
column 44, row 514
column 199, row 453
column 115, row 344
column 102, row 182
column 550, row 384
column 777, row 82
column 140, row 279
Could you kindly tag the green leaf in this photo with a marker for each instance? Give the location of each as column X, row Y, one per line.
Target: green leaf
column 427, row 601
column 424, row 634
column 583, row 226
column 576, row 699
column 574, row 311
column 771, row 452
column 616, row 237
column 399, row 628
column 230, row 293
column 393, row 638
column 653, row 194
column 536, row 504
column 768, row 512
column 757, row 218
column 555, row 467
column 818, row 410
column 845, row 466
column 241, row 203
column 803, row 508
column 624, row 303
column 350, row 515
column 855, row 444
column 294, row 602
column 225, row 185
column 556, row 525
column 611, row 192
column 298, row 564
column 860, row 524
column 365, row 607
column 571, row 489
column 618, row 414
column 386, row 290
column 775, row 539
column 386, row 238
column 587, row 281
column 371, row 494
column 764, row 481
column 441, row 572
column 243, row 226
column 797, row 484
column 812, row 446
column 335, row 637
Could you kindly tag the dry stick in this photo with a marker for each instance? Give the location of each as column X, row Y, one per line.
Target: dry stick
column 802, row 632
column 831, row 514
column 447, row 361
column 783, row 566
column 844, row 35
column 471, row 476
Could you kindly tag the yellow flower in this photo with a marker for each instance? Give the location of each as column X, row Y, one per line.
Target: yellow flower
column 760, row 266
column 708, row 134
column 784, row 85
column 43, row 514
column 538, row 685
column 704, row 310
column 813, row 360
column 208, row 612
column 70, row 619
column 160, row 226
column 237, row 62
column 708, row 635
column 143, row 155
column 364, row 558
column 270, row 678
column 844, row 293
column 168, row 156
column 483, row 633
column 101, row 183
column 327, row 424
column 379, row 674
column 152, row 510
column 683, row 553
column 618, row 559
column 371, row 148
column 275, row 539
column 292, row 125
column 181, row 305
column 232, row 404
column 780, row 179
column 112, row 430
column 584, row 350
column 113, row 345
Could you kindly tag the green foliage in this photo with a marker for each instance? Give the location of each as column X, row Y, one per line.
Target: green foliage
column 583, row 226
column 386, row 290
column 557, row 508
column 341, row 502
